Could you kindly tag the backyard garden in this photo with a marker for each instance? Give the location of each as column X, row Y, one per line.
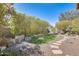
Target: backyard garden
column 24, row 35
column 21, row 32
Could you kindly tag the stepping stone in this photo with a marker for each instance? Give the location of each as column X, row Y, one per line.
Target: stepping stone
column 57, row 52
column 60, row 42
column 65, row 38
column 53, row 46
column 56, row 43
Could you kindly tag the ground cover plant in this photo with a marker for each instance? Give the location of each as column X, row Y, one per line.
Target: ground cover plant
column 42, row 39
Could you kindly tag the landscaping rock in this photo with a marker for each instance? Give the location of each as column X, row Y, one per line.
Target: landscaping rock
column 19, row 39
column 11, row 42
column 23, row 46
column 28, row 39
column 27, row 49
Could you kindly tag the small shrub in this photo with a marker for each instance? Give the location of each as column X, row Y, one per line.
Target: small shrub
column 75, row 30
column 8, row 52
column 43, row 39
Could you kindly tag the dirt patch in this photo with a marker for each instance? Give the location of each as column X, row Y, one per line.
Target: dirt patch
column 71, row 46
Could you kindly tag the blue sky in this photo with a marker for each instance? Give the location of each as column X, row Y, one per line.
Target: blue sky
column 47, row 11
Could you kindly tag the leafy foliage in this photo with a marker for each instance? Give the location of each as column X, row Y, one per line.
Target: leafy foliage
column 63, row 25
column 75, row 26
column 42, row 39
column 27, row 25
column 69, row 15
column 8, row 52
column 69, row 21
column 4, row 11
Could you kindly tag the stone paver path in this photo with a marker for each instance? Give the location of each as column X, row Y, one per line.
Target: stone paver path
column 67, row 46
column 56, row 43
column 55, row 47
column 57, row 51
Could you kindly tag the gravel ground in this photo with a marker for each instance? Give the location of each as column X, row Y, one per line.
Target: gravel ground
column 70, row 47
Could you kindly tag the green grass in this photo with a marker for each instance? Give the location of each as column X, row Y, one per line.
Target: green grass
column 42, row 39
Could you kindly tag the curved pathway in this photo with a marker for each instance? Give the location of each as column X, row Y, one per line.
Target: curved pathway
column 55, row 47
column 67, row 46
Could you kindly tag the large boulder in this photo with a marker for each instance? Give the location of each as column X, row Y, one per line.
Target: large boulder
column 26, row 48
column 12, row 42
column 22, row 46
column 19, row 38
column 28, row 39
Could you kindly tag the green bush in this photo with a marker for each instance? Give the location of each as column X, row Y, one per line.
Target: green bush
column 63, row 25
column 42, row 39
column 75, row 30
column 8, row 52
